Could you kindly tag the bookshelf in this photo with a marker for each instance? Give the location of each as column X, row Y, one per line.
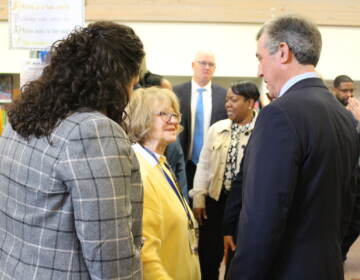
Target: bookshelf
column 9, row 90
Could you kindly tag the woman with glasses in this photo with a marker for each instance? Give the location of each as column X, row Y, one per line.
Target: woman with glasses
column 169, row 228
column 218, row 164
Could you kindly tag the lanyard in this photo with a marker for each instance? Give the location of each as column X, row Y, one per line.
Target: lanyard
column 172, row 185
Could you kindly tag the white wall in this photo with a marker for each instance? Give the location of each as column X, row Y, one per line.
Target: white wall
column 170, row 48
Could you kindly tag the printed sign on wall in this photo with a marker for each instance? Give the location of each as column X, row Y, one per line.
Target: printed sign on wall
column 36, row 24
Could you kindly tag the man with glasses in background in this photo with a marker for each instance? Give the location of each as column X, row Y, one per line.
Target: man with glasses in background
column 202, row 103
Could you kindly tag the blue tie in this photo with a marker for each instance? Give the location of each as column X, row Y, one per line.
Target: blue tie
column 199, row 127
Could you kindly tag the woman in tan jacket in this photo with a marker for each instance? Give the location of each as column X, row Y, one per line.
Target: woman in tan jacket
column 218, row 164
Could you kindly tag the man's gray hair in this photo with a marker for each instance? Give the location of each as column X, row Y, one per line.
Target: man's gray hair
column 301, row 35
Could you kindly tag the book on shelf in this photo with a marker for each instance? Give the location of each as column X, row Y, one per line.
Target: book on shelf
column 3, row 119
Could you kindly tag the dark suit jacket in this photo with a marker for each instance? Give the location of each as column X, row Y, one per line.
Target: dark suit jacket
column 298, row 168
column 175, row 157
column 183, row 91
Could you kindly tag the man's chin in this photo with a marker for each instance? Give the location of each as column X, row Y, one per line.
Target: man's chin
column 273, row 95
column 344, row 102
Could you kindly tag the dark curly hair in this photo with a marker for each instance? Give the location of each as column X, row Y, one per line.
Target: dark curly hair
column 91, row 69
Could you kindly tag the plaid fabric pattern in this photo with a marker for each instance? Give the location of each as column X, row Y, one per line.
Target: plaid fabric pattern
column 73, row 209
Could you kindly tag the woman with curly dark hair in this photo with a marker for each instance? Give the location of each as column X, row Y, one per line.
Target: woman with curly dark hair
column 71, row 195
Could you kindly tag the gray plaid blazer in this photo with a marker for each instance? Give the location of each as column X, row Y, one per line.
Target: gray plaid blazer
column 72, row 209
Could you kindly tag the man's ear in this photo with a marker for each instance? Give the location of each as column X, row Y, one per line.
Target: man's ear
column 284, row 52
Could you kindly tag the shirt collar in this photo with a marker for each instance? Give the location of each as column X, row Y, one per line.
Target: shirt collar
column 228, row 123
column 145, row 154
column 295, row 80
column 195, row 86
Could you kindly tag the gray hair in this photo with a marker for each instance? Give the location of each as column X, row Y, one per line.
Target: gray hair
column 301, row 35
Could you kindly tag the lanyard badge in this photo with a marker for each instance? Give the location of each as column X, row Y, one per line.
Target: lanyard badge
column 193, row 238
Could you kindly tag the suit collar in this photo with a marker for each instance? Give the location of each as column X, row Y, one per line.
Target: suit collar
column 196, row 86
column 296, row 79
column 311, row 82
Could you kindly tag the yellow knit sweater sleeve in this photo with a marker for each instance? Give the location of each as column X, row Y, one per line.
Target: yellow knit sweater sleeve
column 153, row 235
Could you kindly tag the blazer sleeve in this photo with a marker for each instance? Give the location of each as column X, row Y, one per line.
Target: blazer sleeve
column 96, row 168
column 233, row 205
column 270, row 175
column 137, row 193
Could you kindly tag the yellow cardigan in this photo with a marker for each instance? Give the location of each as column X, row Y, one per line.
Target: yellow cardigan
column 166, row 252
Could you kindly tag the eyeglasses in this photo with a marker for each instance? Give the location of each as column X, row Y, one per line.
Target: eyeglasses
column 167, row 117
column 204, row 63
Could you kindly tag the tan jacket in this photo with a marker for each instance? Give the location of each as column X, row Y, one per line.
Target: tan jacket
column 210, row 169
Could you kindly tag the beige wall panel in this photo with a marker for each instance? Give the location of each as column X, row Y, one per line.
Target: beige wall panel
column 323, row 12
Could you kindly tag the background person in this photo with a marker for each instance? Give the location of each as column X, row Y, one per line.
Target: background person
column 298, row 165
column 71, row 195
column 151, row 79
column 353, row 231
column 173, row 153
column 219, row 162
column 343, row 89
column 169, row 228
column 202, row 103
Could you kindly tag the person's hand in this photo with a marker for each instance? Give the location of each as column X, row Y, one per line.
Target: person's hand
column 228, row 245
column 354, row 107
column 200, row 214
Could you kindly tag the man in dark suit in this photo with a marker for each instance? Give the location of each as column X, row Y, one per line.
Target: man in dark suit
column 196, row 122
column 213, row 104
column 299, row 165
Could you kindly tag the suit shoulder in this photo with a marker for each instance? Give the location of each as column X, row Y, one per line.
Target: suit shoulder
column 89, row 125
column 179, row 88
column 271, row 112
column 221, row 125
column 219, row 89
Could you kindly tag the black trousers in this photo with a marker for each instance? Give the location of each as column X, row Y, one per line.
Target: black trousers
column 353, row 230
column 190, row 168
column 211, row 242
